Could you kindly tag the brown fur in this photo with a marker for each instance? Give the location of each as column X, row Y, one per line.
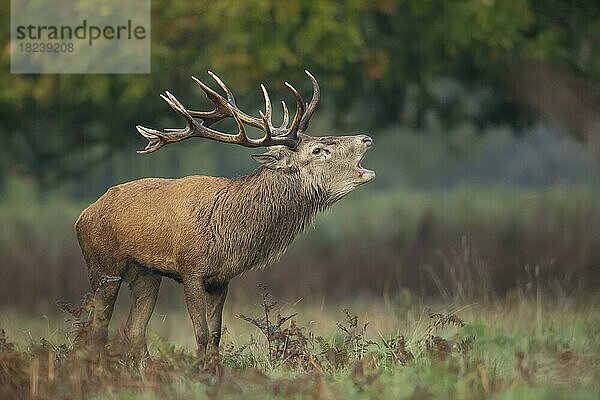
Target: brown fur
column 203, row 231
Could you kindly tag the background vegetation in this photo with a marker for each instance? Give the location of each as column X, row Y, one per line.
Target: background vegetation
column 420, row 64
column 486, row 119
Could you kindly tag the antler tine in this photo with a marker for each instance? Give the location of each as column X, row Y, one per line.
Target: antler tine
column 286, row 115
column 312, row 106
column 268, row 106
column 228, row 92
column 299, row 110
column 267, row 123
column 154, row 137
column 177, row 106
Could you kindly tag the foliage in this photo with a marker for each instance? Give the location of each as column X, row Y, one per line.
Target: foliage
column 494, row 352
column 466, row 245
column 408, row 58
column 289, row 345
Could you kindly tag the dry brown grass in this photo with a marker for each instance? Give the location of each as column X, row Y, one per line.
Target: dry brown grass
column 479, row 352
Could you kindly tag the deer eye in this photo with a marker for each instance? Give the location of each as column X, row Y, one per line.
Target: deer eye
column 316, row 151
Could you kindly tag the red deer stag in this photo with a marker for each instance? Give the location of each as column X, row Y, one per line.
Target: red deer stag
column 203, row 231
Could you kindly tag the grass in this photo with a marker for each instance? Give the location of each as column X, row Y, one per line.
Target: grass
column 514, row 316
column 523, row 349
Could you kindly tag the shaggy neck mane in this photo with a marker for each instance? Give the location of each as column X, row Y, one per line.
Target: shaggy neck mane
column 260, row 214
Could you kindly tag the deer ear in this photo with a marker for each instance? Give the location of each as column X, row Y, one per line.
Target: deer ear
column 271, row 159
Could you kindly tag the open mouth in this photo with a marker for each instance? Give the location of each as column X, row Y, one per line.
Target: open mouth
column 362, row 170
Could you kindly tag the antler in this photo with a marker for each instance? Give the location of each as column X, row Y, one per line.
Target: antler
column 197, row 123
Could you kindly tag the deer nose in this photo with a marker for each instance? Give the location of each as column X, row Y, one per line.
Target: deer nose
column 367, row 140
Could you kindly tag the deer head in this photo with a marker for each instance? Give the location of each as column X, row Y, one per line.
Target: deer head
column 328, row 164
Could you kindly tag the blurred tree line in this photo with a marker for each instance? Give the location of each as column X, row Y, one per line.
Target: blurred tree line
column 379, row 62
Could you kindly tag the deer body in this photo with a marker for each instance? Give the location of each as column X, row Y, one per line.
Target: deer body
column 203, row 231
column 219, row 227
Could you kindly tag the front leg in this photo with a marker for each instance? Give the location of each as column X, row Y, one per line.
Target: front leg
column 195, row 299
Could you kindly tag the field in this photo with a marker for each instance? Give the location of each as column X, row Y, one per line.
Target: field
column 469, row 293
column 528, row 346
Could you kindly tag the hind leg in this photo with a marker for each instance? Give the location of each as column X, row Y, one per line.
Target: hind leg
column 105, row 289
column 215, row 299
column 144, row 290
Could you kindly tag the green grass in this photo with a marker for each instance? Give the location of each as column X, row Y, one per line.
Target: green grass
column 519, row 350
